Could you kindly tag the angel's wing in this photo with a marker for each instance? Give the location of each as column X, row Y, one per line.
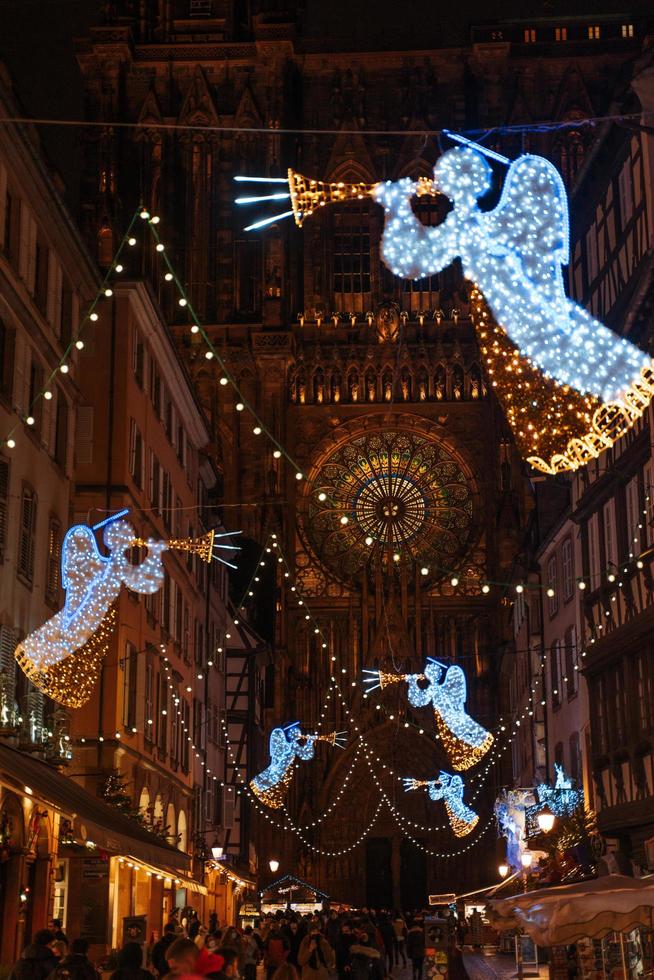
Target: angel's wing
column 277, row 744
column 531, row 224
column 81, row 564
column 454, row 687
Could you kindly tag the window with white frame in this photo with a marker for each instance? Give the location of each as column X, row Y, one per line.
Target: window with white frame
column 633, row 512
column 610, row 537
column 592, row 529
column 567, row 569
column 552, row 600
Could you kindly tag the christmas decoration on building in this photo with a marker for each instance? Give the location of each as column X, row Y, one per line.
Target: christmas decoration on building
column 510, row 807
column 444, row 688
column 562, row 800
column 448, row 788
column 63, row 657
column 286, row 745
column 571, row 387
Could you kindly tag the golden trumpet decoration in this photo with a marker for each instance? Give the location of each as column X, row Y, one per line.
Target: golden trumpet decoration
column 307, row 195
column 204, row 547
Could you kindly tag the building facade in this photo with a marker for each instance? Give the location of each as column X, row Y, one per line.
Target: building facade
column 46, row 277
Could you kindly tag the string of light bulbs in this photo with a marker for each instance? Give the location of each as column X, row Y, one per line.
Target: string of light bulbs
column 75, row 343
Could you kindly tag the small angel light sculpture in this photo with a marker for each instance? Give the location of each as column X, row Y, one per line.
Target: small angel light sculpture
column 63, row 656
column 286, row 745
column 448, row 788
column 444, row 688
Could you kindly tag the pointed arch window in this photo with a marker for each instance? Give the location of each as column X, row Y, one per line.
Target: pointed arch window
column 351, row 283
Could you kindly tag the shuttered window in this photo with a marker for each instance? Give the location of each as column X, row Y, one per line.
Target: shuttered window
column 4, row 505
column 26, row 534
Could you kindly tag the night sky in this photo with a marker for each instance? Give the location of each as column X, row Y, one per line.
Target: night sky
column 36, row 43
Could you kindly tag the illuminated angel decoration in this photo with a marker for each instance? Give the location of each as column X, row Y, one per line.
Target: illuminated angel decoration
column 448, row 788
column 63, row 656
column 285, row 746
column 515, row 254
column 444, row 688
column 510, row 809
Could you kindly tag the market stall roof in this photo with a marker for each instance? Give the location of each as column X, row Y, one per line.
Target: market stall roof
column 92, row 819
column 290, row 881
column 565, row 913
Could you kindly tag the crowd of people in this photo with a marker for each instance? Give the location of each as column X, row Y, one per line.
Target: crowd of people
column 361, row 945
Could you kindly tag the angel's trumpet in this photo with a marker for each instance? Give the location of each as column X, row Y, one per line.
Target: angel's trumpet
column 308, row 195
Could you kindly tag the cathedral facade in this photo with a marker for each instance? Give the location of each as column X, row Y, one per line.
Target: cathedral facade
column 394, row 545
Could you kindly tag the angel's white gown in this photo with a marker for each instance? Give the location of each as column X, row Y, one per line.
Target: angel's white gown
column 285, row 747
column 465, row 740
column 515, row 255
column 449, row 788
column 92, row 583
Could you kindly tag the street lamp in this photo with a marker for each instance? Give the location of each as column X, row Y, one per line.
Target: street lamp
column 503, row 870
column 546, row 819
column 526, row 859
column 273, row 865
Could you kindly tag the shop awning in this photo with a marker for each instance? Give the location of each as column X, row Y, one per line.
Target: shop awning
column 563, row 914
column 178, row 878
column 92, row 819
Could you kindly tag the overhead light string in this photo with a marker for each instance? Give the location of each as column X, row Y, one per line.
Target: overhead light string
column 76, row 343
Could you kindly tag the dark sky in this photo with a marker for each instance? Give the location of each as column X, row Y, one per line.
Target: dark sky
column 36, row 43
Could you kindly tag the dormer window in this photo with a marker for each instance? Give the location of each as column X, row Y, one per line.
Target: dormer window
column 594, row 32
column 560, row 33
column 627, row 30
column 530, row 35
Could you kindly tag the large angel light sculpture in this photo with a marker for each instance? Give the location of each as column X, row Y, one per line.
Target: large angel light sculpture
column 444, row 688
column 286, row 745
column 448, row 788
column 569, row 385
column 63, row 657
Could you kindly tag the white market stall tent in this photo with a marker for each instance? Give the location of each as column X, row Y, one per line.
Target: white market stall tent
column 564, row 914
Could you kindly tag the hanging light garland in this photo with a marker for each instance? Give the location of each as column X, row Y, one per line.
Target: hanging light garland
column 76, row 343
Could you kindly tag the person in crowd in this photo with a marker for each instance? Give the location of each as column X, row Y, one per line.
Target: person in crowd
column 130, row 964
column 315, row 956
column 251, row 954
column 58, row 931
column 230, row 964
column 276, row 951
column 285, row 972
column 342, row 950
column 332, row 928
column 194, row 924
column 399, row 928
column 415, row 947
column 387, row 933
column 76, row 964
column 37, row 960
column 294, row 934
column 365, row 959
column 60, row 949
column 184, row 957
column 476, row 924
column 213, row 922
column 159, row 949
column 173, row 920
column 212, row 942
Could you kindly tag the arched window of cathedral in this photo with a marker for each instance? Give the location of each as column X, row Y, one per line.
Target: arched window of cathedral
column 422, row 385
column 440, row 384
column 387, row 385
column 319, row 387
column 406, row 385
column 335, row 387
column 476, row 385
column 353, row 385
column 348, row 227
column 301, row 387
column 371, row 385
column 570, row 148
column 458, row 392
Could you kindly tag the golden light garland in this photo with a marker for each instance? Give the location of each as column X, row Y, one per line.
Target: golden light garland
column 71, row 681
column 556, row 428
column 307, row 195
